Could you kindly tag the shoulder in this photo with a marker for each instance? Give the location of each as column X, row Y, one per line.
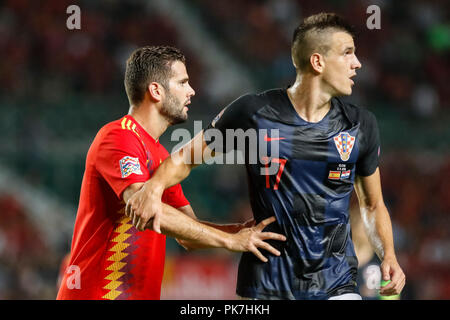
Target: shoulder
column 273, row 95
column 357, row 114
column 250, row 103
column 118, row 132
column 246, row 103
column 238, row 113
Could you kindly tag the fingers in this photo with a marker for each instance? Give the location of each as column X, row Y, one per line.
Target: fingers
column 256, row 252
column 259, row 243
column 268, row 247
column 397, row 280
column 135, row 220
column 264, row 245
column 266, row 236
column 141, row 223
column 265, row 223
column 385, row 274
column 130, row 212
column 394, row 287
column 252, row 239
column 272, row 236
column 249, row 223
column 128, row 208
column 391, row 290
column 387, row 290
column 400, row 285
column 139, row 215
column 385, row 271
column 157, row 222
column 152, row 222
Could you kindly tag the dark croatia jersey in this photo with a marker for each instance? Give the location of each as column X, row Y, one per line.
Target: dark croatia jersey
column 309, row 193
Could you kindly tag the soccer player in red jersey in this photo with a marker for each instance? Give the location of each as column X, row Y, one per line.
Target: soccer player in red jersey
column 110, row 258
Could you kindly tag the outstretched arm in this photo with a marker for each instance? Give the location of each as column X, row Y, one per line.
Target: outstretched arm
column 176, row 224
column 229, row 228
column 377, row 223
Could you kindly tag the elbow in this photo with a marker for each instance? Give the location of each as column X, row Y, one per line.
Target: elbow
column 186, row 245
column 372, row 206
column 370, row 212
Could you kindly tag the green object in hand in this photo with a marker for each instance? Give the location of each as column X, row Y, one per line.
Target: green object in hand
column 393, row 297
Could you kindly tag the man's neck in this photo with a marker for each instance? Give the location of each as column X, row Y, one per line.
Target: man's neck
column 310, row 101
column 150, row 119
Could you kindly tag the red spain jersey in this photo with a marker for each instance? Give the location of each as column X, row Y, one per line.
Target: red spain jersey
column 111, row 259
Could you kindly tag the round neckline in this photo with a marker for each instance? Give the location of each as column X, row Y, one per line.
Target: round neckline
column 303, row 121
column 141, row 129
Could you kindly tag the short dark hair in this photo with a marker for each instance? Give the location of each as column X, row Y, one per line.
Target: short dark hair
column 148, row 64
column 309, row 36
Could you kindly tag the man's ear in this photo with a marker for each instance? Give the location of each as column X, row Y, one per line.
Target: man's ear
column 317, row 62
column 293, row 62
column 156, row 91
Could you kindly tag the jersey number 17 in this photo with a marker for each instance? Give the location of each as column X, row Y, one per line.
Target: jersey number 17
column 282, row 163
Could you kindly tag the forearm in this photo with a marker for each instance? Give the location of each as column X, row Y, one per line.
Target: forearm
column 176, row 224
column 173, row 170
column 229, row 228
column 178, row 166
column 378, row 227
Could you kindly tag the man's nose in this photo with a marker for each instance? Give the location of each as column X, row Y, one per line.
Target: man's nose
column 192, row 92
column 357, row 64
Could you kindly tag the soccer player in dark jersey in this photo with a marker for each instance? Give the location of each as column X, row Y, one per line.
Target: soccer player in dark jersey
column 109, row 258
column 326, row 149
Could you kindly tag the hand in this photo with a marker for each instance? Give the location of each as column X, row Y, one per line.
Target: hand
column 249, row 223
column 144, row 207
column 235, row 228
column 390, row 270
column 250, row 239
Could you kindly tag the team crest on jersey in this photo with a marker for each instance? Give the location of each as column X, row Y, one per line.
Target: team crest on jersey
column 344, row 143
column 129, row 165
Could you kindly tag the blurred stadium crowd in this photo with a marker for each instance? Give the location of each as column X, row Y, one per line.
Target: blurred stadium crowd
column 59, row 86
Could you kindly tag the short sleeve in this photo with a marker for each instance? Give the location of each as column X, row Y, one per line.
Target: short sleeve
column 370, row 149
column 121, row 160
column 174, row 197
column 237, row 115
